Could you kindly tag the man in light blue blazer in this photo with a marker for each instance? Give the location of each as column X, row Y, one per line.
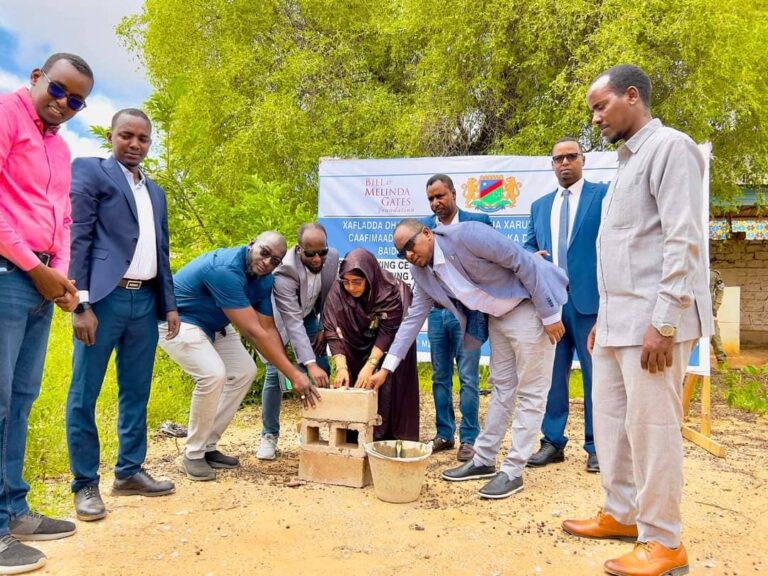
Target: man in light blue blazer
column 563, row 229
column 120, row 263
column 474, row 271
column 445, row 341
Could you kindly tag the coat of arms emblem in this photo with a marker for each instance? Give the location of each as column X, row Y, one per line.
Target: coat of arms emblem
column 491, row 193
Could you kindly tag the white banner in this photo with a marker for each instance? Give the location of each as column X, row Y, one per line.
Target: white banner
column 361, row 202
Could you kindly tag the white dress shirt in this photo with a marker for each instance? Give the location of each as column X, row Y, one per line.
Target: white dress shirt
column 144, row 262
column 313, row 292
column 554, row 217
column 473, row 297
column 454, row 220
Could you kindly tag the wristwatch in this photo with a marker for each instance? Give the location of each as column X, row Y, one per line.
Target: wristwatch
column 666, row 330
column 82, row 307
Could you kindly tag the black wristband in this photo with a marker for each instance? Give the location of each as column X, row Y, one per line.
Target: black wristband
column 82, row 307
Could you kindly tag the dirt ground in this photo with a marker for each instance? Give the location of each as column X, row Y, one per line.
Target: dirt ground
column 254, row 520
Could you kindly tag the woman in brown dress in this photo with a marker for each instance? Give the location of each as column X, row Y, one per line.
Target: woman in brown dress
column 360, row 318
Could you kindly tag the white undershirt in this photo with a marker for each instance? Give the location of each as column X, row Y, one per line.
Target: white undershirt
column 144, row 262
column 473, row 297
column 313, row 292
column 554, row 218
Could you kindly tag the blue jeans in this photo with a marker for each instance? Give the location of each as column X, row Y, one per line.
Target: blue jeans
column 446, row 344
column 271, row 395
column 128, row 324
column 25, row 317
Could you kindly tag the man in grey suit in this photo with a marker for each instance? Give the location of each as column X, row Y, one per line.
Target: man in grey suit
column 445, row 341
column 302, row 283
column 473, row 271
column 654, row 306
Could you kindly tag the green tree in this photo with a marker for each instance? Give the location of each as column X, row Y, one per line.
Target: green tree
column 250, row 96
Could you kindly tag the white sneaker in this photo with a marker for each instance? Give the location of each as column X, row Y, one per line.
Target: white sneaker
column 268, row 448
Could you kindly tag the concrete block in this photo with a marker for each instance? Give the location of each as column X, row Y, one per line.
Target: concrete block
column 334, row 469
column 729, row 335
column 345, row 405
column 333, row 437
column 315, row 433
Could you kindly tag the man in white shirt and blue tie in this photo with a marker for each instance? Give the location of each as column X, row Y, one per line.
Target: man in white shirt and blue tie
column 563, row 228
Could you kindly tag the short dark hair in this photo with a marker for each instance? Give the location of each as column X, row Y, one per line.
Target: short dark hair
column 79, row 64
column 130, row 112
column 445, row 179
column 411, row 223
column 622, row 76
column 569, row 139
column 311, row 226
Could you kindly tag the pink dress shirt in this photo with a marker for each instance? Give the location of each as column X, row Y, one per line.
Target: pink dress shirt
column 35, row 175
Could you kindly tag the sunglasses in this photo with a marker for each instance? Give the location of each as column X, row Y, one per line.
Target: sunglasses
column 408, row 246
column 560, row 158
column 57, row 92
column 265, row 253
column 323, row 252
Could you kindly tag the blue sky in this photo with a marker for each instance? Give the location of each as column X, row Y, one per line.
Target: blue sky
column 30, row 30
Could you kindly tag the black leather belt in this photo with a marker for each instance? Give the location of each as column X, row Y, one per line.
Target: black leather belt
column 129, row 284
column 44, row 257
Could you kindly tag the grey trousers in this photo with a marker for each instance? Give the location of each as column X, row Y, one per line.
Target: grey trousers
column 637, row 420
column 521, row 372
column 223, row 372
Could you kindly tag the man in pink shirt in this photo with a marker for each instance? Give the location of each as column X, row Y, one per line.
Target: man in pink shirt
column 34, row 257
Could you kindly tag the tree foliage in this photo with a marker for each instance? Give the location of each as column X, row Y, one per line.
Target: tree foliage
column 250, row 95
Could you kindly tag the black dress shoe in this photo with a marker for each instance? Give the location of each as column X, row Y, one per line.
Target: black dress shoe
column 218, row 459
column 547, row 454
column 88, row 504
column 592, row 464
column 439, row 444
column 142, row 484
column 468, row 471
column 501, row 486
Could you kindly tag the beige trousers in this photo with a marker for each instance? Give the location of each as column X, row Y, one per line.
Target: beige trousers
column 521, row 375
column 637, row 420
column 223, row 372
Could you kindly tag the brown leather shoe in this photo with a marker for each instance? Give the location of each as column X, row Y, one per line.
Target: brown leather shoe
column 650, row 559
column 465, row 452
column 601, row 526
column 440, row 444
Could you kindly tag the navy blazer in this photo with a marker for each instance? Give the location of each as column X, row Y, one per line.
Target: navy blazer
column 582, row 254
column 105, row 230
column 431, row 221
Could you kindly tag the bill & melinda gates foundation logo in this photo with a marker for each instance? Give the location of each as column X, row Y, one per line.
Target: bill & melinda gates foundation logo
column 491, row 193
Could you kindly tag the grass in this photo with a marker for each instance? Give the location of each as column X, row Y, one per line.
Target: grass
column 746, row 388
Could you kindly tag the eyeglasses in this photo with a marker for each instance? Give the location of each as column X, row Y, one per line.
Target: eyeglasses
column 266, row 253
column 323, row 252
column 560, row 158
column 57, row 92
column 354, row 283
column 408, row 246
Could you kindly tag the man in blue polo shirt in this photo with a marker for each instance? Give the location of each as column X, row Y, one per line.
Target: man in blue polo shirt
column 215, row 293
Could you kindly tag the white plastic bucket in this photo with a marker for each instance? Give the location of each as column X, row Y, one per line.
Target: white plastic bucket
column 398, row 480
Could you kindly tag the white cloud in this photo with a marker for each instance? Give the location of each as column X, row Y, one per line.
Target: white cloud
column 99, row 111
column 10, row 82
column 82, row 145
column 83, row 27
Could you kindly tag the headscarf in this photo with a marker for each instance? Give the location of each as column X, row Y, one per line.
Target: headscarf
column 376, row 313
